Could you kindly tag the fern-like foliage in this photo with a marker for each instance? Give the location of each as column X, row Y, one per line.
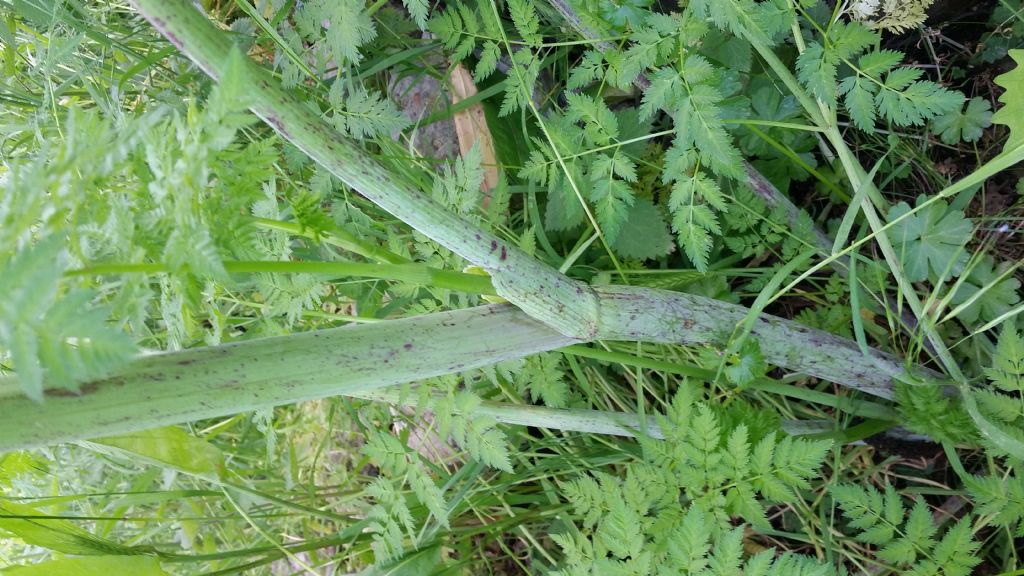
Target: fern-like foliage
column 878, row 88
column 626, row 540
column 61, row 337
column 362, row 114
column 911, row 540
column 341, row 26
column 671, row 514
column 390, row 510
column 925, row 408
column 458, row 184
column 1004, row 399
column 478, row 434
column 543, row 377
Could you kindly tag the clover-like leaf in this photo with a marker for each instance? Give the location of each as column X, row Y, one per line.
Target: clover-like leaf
column 930, row 242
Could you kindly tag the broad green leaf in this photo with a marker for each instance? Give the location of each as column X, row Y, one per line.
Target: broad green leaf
column 930, row 242
column 747, row 365
column 623, row 14
column 966, row 125
column 170, row 446
column 645, row 235
column 94, row 566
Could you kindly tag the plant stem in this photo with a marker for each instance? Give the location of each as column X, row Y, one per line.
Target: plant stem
column 162, row 389
column 411, row 273
column 335, row 237
column 538, row 289
column 568, row 306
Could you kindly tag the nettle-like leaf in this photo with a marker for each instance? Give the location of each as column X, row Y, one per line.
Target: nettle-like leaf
column 909, row 541
column 930, row 243
column 965, row 125
column 1012, row 112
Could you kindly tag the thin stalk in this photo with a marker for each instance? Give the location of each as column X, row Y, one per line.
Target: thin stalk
column 335, row 237
column 411, row 273
column 580, row 420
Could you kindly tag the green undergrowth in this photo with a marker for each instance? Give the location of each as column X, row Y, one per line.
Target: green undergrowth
column 852, row 168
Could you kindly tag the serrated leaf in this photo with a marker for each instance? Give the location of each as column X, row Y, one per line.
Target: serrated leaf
column 876, row 63
column 859, row 98
column 817, row 69
column 612, row 200
column 1007, row 370
column 989, row 290
column 488, row 62
column 418, row 9
column 524, row 15
column 1012, row 112
column 747, row 365
column 912, row 104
